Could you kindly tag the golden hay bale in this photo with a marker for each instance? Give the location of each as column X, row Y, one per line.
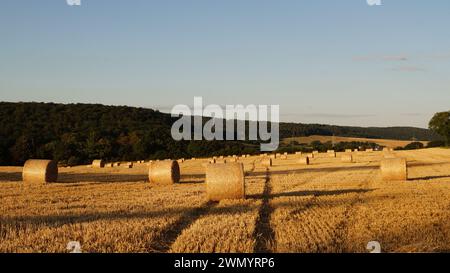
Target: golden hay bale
column 273, row 156
column 109, row 165
column 369, row 150
column 266, row 162
column 232, row 160
column 222, row 157
column 394, row 169
column 283, row 157
column 98, row 163
column 332, row 154
column 298, row 153
column 194, row 158
column 166, row 172
column 285, row 153
column 128, row 165
column 225, row 181
column 304, row 160
column 347, row 158
column 330, row 151
column 348, row 150
column 180, row 160
column 356, row 150
column 40, row 171
column 117, row 164
column 213, row 161
column 315, row 152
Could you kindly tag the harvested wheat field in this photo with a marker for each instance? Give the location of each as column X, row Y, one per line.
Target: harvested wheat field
column 327, row 206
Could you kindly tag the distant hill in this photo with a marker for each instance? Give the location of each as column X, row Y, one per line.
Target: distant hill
column 390, row 143
column 78, row 133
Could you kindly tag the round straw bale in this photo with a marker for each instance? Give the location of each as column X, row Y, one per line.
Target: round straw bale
column 315, row 152
column 394, row 169
column 332, row 154
column 283, row 157
column 128, row 165
column 369, row 150
column 298, row 153
column 40, row 171
column 266, row 162
column 225, row 181
column 98, row 163
column 232, row 160
column 213, row 161
column 165, row 172
column 304, row 160
column 347, row 158
column 348, row 150
column 109, row 165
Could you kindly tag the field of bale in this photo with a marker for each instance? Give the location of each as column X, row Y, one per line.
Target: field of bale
column 330, row 205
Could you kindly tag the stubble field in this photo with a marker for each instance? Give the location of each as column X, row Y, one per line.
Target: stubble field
column 328, row 206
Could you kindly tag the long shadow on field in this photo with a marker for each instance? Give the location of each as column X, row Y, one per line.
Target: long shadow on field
column 264, row 234
column 428, row 177
column 421, row 164
column 11, row 177
column 192, row 178
column 309, row 170
column 100, row 177
column 318, row 193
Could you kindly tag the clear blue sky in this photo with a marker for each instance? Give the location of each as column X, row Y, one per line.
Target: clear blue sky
column 328, row 61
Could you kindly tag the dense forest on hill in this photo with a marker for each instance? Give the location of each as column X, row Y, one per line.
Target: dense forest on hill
column 78, row 133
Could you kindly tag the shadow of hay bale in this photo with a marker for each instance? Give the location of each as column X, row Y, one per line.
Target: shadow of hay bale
column 10, row 177
column 101, row 178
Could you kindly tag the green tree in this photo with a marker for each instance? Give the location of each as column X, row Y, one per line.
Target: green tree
column 440, row 123
column 414, row 146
